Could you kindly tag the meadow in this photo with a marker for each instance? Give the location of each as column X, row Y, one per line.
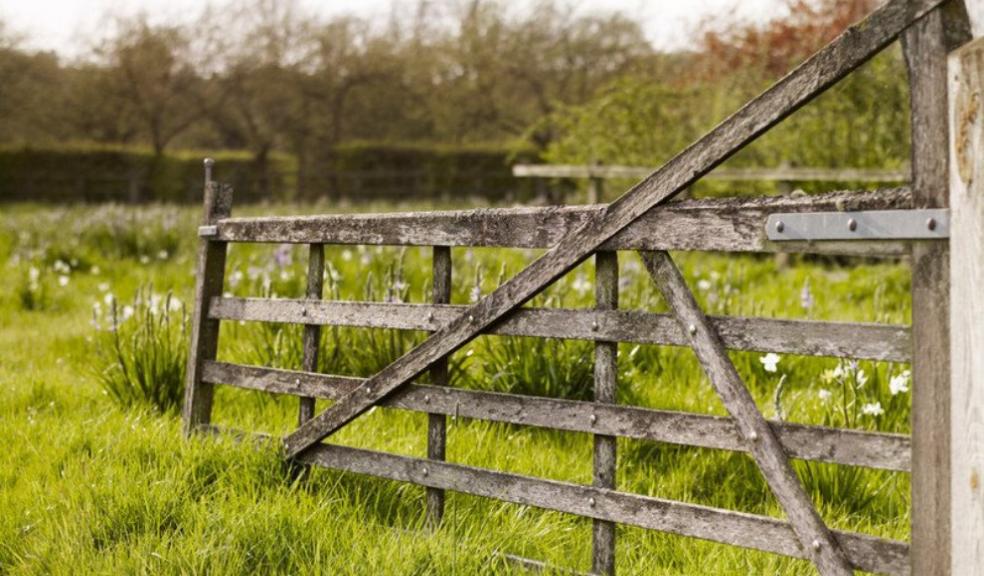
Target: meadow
column 95, row 476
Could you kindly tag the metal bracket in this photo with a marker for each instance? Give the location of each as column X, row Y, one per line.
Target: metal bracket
column 208, row 231
column 927, row 224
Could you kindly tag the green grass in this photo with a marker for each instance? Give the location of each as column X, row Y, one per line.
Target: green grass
column 87, row 486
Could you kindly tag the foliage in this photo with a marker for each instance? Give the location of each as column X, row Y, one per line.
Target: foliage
column 143, row 350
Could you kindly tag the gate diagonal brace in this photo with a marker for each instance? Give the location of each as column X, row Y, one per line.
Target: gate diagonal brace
column 762, row 441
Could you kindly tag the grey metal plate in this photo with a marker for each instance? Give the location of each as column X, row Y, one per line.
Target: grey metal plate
column 208, row 231
column 928, row 224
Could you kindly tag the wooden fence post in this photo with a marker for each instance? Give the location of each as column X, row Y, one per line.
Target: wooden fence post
column 437, row 423
column 926, row 56
column 605, row 388
column 209, row 278
column 966, row 107
column 312, row 332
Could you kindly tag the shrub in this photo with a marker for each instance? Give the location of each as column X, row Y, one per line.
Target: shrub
column 143, row 350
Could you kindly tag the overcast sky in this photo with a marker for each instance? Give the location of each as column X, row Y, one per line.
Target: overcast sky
column 63, row 25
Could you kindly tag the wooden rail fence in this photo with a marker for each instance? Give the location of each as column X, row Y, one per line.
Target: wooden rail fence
column 642, row 220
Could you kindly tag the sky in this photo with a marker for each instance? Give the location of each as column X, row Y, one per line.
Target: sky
column 64, row 25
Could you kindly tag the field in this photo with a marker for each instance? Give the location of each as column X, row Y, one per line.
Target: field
column 96, row 478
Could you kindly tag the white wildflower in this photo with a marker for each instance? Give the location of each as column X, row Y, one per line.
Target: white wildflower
column 163, row 255
column 61, row 267
column 144, row 259
column 346, row 255
column 174, row 304
column 95, row 271
column 63, row 280
column 235, row 278
column 824, row 394
column 900, row 384
column 770, row 361
column 806, row 296
column 838, row 371
column 109, row 299
column 861, row 378
column 703, row 285
column 873, row 409
column 34, row 274
column 581, row 284
column 127, row 313
column 103, row 287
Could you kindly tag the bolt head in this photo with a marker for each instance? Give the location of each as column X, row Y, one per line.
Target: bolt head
column 593, row 418
column 594, row 325
column 816, row 544
column 297, row 381
column 591, row 502
column 209, row 162
column 430, row 316
column 425, row 471
column 368, row 391
column 931, row 224
column 304, row 312
column 753, row 436
column 692, row 329
column 780, row 226
column 427, row 399
column 852, row 224
column 471, row 318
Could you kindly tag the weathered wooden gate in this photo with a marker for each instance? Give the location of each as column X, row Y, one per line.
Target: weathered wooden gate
column 643, row 221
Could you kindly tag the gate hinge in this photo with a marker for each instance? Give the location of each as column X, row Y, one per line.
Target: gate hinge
column 924, row 224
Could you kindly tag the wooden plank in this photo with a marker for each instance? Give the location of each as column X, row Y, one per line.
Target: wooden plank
column 885, row 342
column 780, row 174
column 732, row 224
column 851, row 49
column 924, row 46
column 833, row 445
column 209, row 278
column 735, row 528
column 312, row 332
column 437, row 432
column 966, row 146
column 763, row 443
column 605, row 391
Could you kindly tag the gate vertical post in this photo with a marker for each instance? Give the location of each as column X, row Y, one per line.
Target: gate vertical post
column 966, row 147
column 209, row 279
column 312, row 332
column 926, row 56
column 437, row 423
column 605, row 389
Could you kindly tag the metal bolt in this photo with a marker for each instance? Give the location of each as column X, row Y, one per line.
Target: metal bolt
column 816, row 544
column 471, row 318
column 297, row 381
column 427, row 399
column 753, row 436
column 692, row 329
column 593, row 418
column 368, row 391
column 303, row 311
column 591, row 502
column 931, row 224
column 209, row 162
column 430, row 316
column 425, row 471
column 594, row 325
column 780, row 226
column 852, row 224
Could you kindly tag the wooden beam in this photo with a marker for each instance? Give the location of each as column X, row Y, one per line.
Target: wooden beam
column 925, row 49
column 763, row 443
column 966, row 108
column 882, row 342
column 605, row 391
column 851, row 49
column 833, row 445
column 731, row 224
column 734, row 528
column 312, row 332
column 437, row 432
column 780, row 173
column 209, row 278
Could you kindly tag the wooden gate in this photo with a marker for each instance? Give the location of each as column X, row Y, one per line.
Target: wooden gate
column 641, row 220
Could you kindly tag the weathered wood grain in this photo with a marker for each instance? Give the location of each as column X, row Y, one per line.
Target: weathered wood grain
column 833, row 445
column 209, row 278
column 312, row 332
column 732, row 224
column 763, row 443
column 966, row 153
column 605, row 391
column 437, row 433
column 806, row 337
column 779, row 173
column 735, row 528
column 851, row 49
column 924, row 47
